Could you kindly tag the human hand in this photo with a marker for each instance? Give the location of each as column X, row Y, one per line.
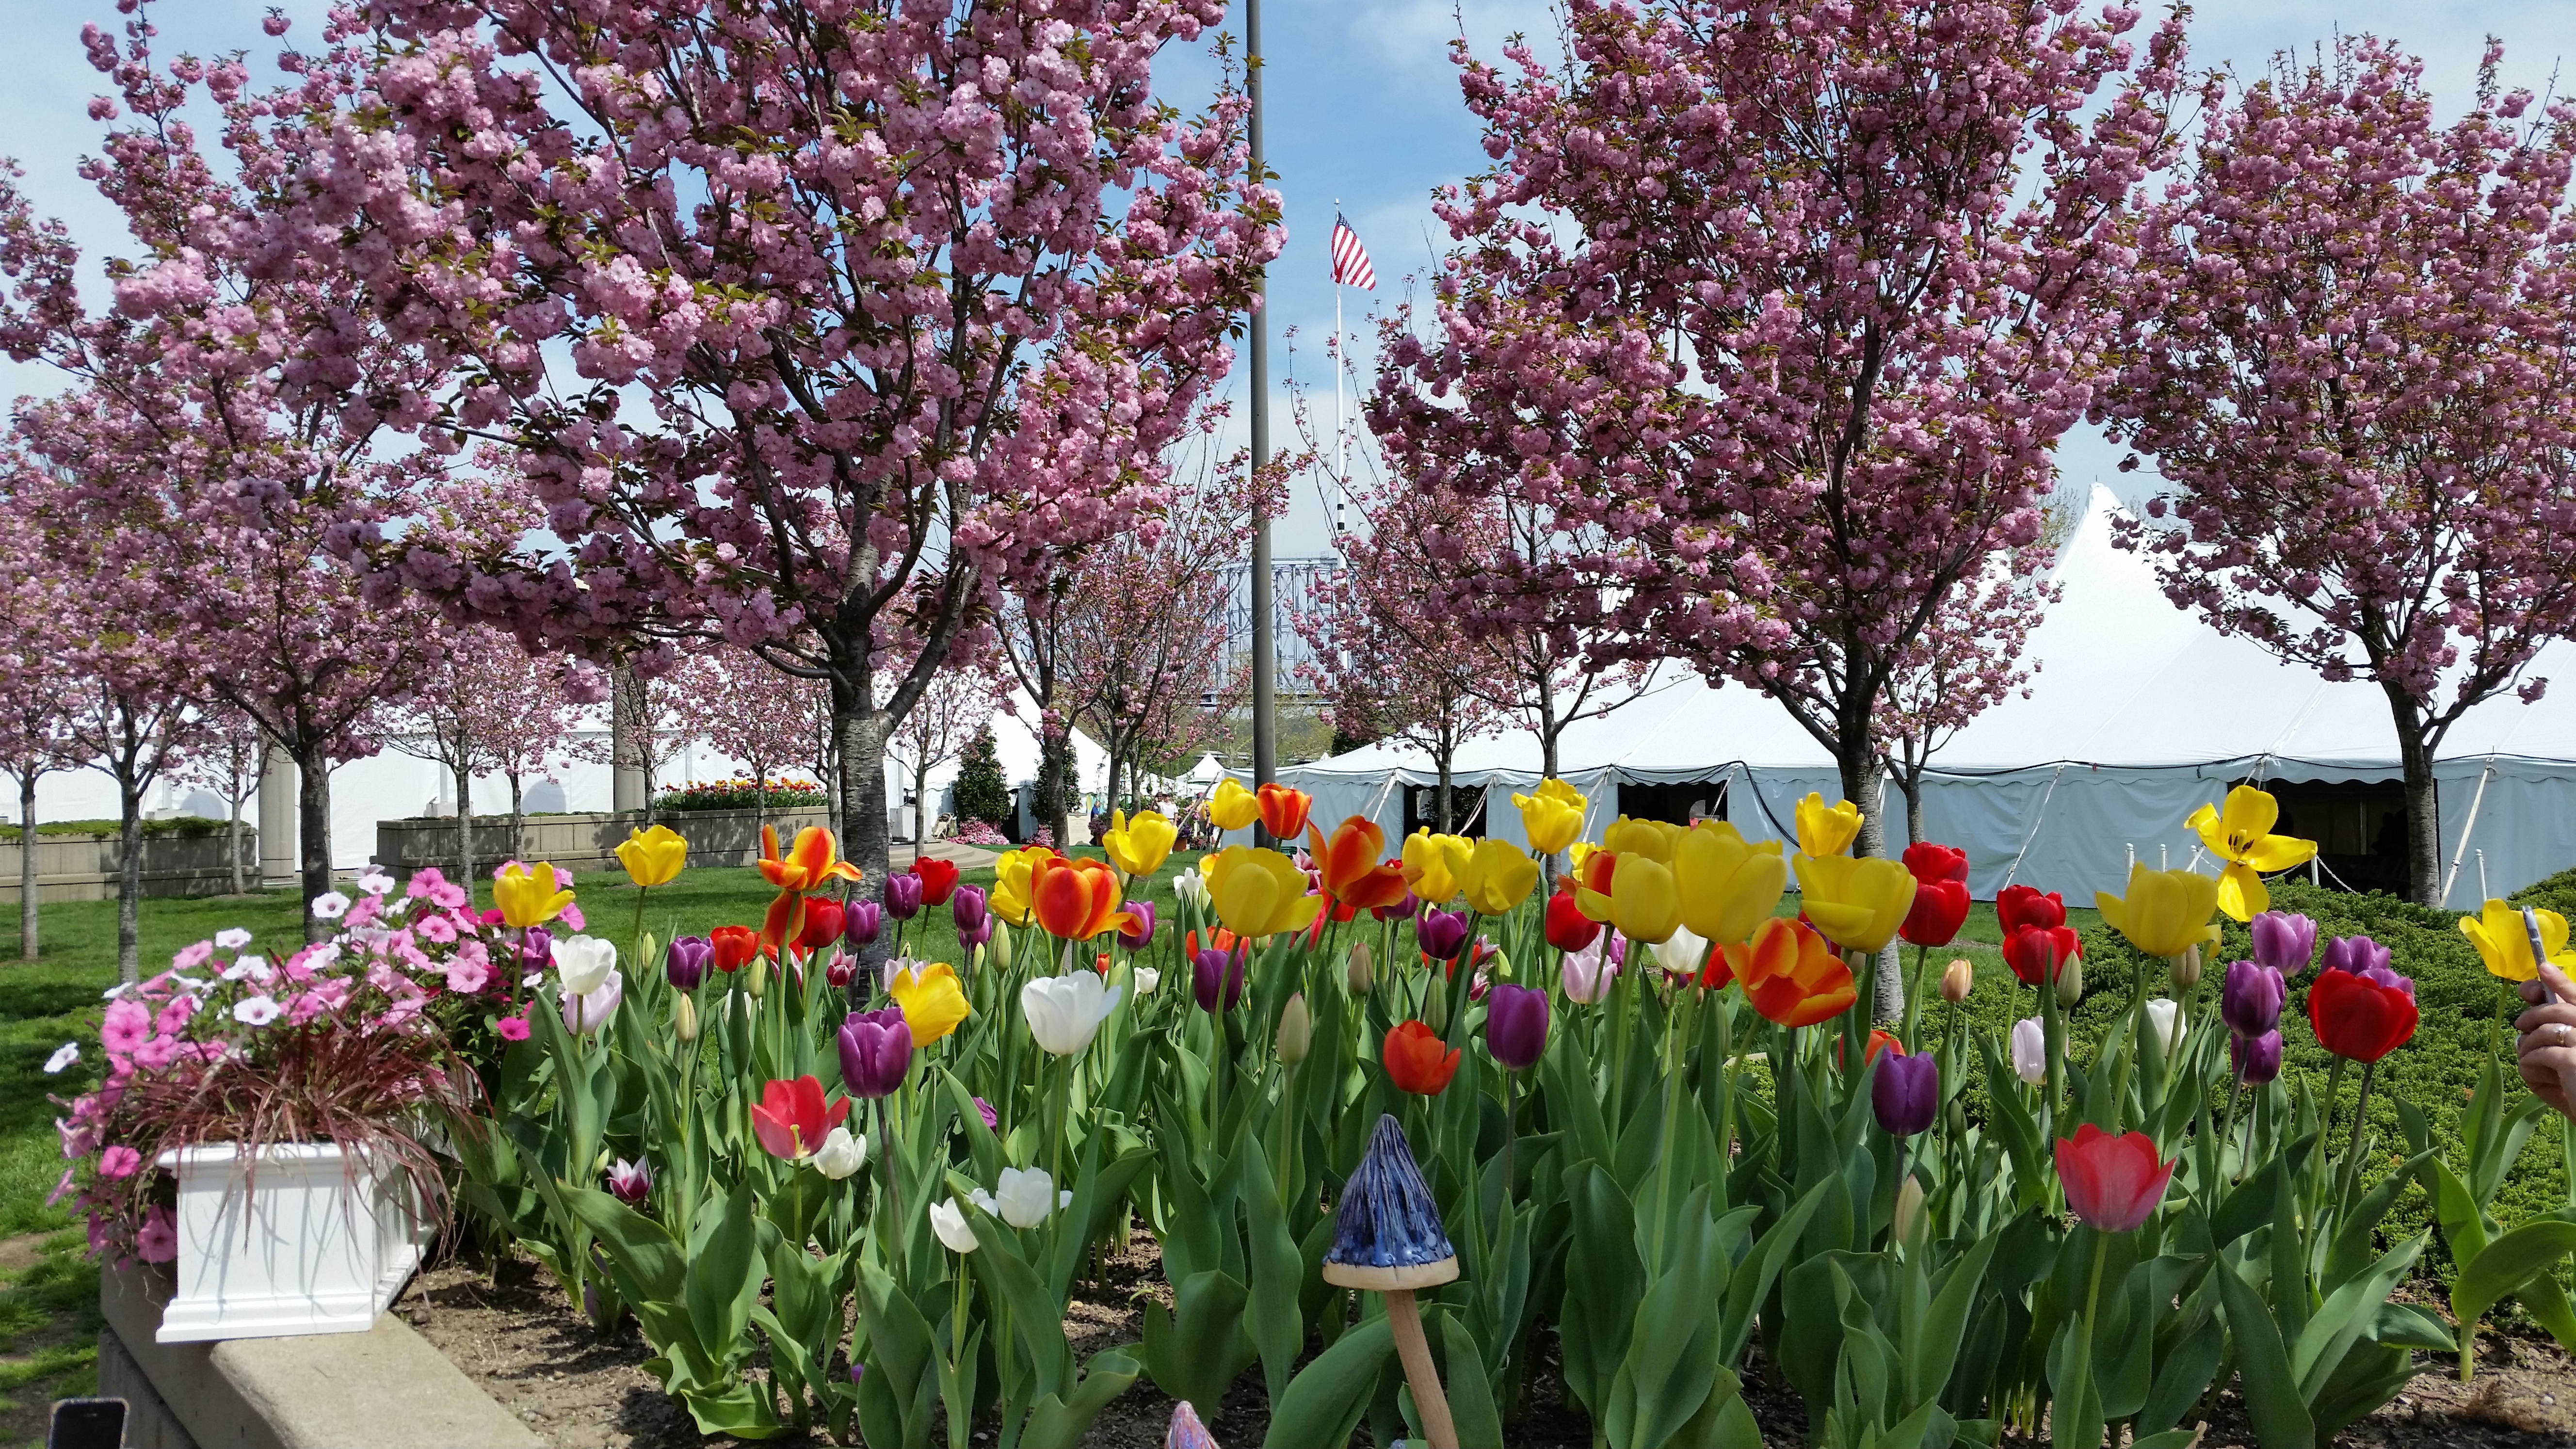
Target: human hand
column 2545, row 1052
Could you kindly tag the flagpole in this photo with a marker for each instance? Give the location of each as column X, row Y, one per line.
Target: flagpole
column 1264, row 663
column 1341, row 432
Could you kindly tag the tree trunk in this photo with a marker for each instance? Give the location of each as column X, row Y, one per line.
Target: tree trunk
column 129, row 875
column 2423, row 803
column 832, row 773
column 1864, row 779
column 1448, row 819
column 759, row 802
column 464, row 823
column 920, row 802
column 859, row 735
column 1052, row 750
column 1910, row 780
column 233, row 834
column 518, row 820
column 313, row 825
column 27, row 886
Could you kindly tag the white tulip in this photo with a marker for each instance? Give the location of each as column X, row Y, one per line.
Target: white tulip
column 948, row 1220
column 2030, row 1050
column 2164, row 1018
column 1191, row 886
column 1147, row 978
column 841, row 1153
column 584, row 963
column 1589, row 972
column 1064, row 1012
column 1026, row 1196
column 1682, row 953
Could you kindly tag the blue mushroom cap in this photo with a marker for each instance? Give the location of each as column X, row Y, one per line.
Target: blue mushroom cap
column 1387, row 1218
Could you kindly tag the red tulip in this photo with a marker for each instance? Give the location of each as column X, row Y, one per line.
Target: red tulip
column 791, row 1120
column 2357, row 1018
column 1879, row 1041
column 1927, row 863
column 2112, row 1183
column 1940, row 908
column 2017, row 906
column 824, row 918
column 734, row 946
column 1568, row 929
column 2038, row 953
column 938, row 879
column 1416, row 1061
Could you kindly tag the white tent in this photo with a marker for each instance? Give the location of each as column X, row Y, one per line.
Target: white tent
column 2138, row 714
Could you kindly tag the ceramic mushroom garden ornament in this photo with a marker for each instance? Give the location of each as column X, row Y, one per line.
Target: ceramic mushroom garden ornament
column 1387, row 1239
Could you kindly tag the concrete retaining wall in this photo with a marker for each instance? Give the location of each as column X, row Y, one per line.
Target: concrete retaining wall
column 83, row 867
column 583, row 843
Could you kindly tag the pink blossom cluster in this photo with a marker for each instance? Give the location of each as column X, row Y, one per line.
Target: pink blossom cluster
column 402, row 973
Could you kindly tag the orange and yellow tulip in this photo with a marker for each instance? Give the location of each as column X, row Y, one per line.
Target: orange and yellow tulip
column 1076, row 899
column 814, row 860
column 1349, row 860
column 1283, row 811
column 1790, row 974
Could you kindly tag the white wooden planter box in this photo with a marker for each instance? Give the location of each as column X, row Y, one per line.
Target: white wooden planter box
column 309, row 1243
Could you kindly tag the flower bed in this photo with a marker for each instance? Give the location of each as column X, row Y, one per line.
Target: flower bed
column 1638, row 1152
column 744, row 795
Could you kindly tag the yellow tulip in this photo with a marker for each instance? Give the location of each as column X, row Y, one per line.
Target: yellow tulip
column 1011, row 899
column 1139, row 846
column 1497, row 876
column 1644, row 905
column 1728, row 886
column 1432, row 863
column 653, row 857
column 1232, row 807
column 1552, row 817
column 2242, row 836
column 1652, row 839
column 528, row 897
column 2505, row 944
column 1258, row 892
column 1824, row 829
column 2165, row 913
column 1856, row 902
column 931, row 1000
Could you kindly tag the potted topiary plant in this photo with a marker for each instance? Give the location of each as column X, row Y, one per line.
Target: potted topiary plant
column 266, row 1126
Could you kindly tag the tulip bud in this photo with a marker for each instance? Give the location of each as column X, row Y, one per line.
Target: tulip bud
column 1359, row 974
column 1435, row 1010
column 1001, row 948
column 1957, row 980
column 1957, row 1117
column 1296, row 1031
column 755, row 977
column 645, row 947
column 2185, row 968
column 2070, row 982
column 684, row 1019
column 1909, row 1211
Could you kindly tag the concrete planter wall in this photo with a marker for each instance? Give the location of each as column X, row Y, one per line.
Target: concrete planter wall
column 83, row 867
column 583, row 843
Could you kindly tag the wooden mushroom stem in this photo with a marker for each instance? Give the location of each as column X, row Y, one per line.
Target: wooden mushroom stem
column 1412, row 1348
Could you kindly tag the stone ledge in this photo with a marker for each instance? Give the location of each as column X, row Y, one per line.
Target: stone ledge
column 385, row 1388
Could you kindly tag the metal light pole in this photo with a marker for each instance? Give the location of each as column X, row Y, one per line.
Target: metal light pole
column 1265, row 744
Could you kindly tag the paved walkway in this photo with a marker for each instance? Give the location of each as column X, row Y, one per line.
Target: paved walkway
column 966, row 857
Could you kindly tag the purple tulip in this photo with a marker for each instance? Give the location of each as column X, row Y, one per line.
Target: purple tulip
column 2365, row 958
column 1441, row 933
column 858, row 1371
column 903, row 895
column 1215, row 971
column 2284, row 942
column 1516, row 1025
column 1143, row 936
column 1401, row 910
column 2251, row 999
column 2257, row 1059
column 536, row 948
column 631, row 1182
column 1906, row 1092
column 876, row 1050
column 968, row 904
column 687, row 961
column 992, row 1119
column 861, row 922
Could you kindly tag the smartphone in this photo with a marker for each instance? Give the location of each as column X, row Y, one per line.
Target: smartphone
column 87, row 1424
column 2539, row 952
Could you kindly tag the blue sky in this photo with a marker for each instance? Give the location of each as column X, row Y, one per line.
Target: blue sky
column 1362, row 106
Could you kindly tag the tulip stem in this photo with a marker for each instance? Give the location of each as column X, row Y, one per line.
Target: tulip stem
column 2227, row 1132
column 1914, row 995
column 2352, row 1149
column 2317, row 1154
column 2082, row 1377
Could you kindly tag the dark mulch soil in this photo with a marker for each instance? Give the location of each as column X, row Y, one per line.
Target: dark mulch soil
column 517, row 1338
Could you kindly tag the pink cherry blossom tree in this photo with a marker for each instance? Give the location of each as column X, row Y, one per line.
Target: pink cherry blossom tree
column 958, row 703
column 919, row 294
column 742, row 707
column 37, row 691
column 482, row 706
column 235, row 385
column 2350, row 353
column 1790, row 301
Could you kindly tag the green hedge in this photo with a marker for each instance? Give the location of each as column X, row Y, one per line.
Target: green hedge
column 188, row 827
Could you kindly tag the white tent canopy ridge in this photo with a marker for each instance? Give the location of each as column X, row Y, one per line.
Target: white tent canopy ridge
column 2139, row 713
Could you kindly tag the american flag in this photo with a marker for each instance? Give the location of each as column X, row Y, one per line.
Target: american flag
column 1350, row 260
